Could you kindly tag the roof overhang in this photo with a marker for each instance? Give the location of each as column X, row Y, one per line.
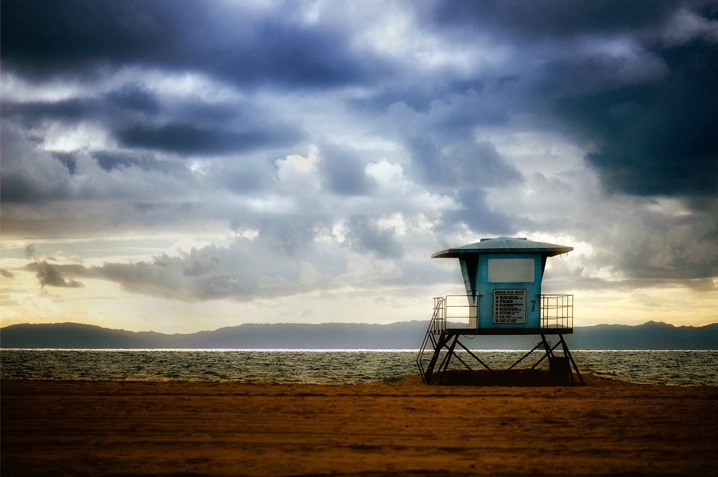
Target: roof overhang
column 504, row 245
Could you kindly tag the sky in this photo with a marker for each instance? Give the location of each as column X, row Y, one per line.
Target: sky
column 185, row 166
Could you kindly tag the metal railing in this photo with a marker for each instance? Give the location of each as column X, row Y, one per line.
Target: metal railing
column 556, row 312
column 452, row 308
column 438, row 319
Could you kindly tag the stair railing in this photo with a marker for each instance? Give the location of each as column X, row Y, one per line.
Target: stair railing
column 438, row 319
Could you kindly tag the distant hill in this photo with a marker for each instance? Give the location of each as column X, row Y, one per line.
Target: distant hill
column 403, row 335
column 650, row 335
column 406, row 335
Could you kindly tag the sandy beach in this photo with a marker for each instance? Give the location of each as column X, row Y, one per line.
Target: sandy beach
column 391, row 428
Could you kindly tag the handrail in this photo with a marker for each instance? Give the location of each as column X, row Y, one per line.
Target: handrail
column 556, row 311
column 438, row 319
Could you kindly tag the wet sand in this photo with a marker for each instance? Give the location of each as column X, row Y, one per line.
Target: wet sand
column 396, row 428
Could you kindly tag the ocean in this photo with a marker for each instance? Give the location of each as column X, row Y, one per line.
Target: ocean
column 328, row 367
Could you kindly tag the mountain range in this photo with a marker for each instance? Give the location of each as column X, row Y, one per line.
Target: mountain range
column 401, row 335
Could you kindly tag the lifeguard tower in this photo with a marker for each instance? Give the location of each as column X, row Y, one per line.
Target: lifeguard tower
column 503, row 297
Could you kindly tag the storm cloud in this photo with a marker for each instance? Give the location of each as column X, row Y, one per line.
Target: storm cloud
column 269, row 149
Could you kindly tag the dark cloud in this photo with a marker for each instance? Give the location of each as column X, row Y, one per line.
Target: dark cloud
column 70, row 110
column 421, row 97
column 289, row 55
column 50, row 275
column 34, row 176
column 6, row 273
column 554, row 19
column 134, row 97
column 203, row 129
column 249, row 177
column 198, row 275
column 365, row 235
column 111, row 160
column 80, row 37
column 656, row 138
column 29, row 251
column 460, row 162
column 291, row 234
column 190, row 139
column 15, row 187
column 682, row 249
column 635, row 81
column 343, row 172
column 475, row 214
column 43, row 38
column 242, row 271
column 68, row 159
column 115, row 107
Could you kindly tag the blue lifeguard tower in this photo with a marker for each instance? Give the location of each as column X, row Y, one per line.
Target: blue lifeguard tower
column 502, row 277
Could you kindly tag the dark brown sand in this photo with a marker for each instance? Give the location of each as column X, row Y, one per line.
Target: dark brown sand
column 398, row 428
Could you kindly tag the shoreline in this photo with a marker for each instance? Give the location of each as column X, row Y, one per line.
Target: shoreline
column 401, row 427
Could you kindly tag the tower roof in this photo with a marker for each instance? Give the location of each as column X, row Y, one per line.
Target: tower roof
column 504, row 245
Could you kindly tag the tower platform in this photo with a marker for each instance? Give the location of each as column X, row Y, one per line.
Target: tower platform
column 443, row 344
